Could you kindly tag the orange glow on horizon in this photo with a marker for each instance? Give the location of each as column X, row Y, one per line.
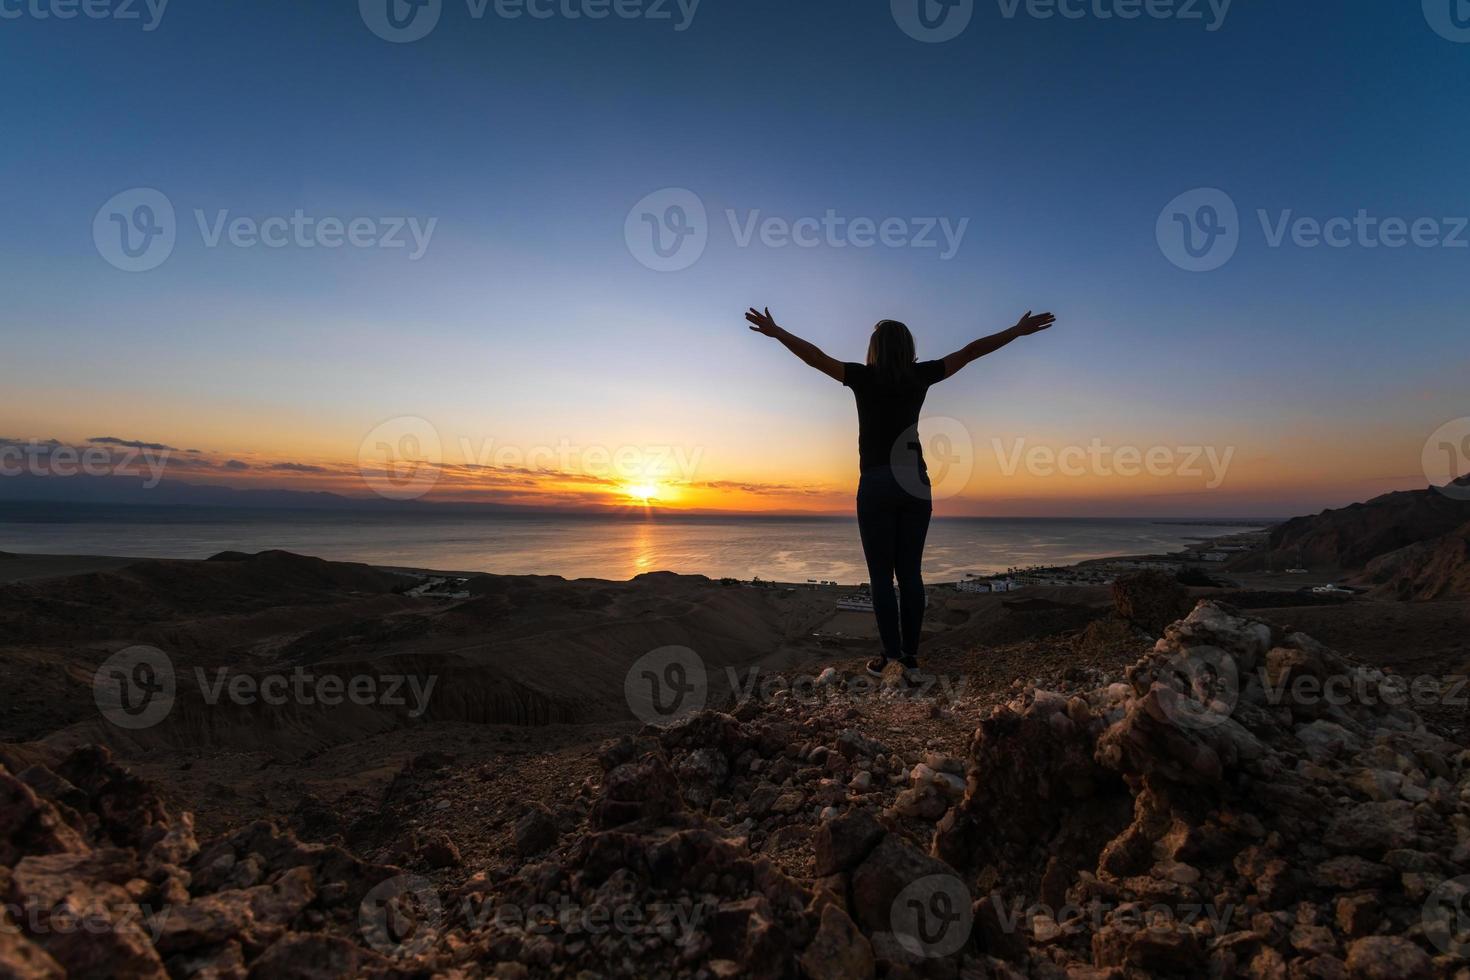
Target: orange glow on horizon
column 1290, row 472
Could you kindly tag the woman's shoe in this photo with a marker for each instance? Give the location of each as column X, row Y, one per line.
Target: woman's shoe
column 876, row 665
column 910, row 667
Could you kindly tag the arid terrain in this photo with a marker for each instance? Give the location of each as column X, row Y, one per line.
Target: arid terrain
column 1083, row 783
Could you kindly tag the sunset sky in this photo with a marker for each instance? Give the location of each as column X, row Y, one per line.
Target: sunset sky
column 555, row 368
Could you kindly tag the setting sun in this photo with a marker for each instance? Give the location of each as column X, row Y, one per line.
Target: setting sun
column 643, row 492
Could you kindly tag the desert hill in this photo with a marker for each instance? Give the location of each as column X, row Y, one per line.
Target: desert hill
column 1139, row 818
column 1350, row 537
column 1432, row 569
column 1073, row 759
column 1404, row 545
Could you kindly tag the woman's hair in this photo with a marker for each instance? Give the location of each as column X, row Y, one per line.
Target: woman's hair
column 891, row 352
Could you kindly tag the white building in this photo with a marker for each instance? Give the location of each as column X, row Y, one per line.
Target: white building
column 988, row 585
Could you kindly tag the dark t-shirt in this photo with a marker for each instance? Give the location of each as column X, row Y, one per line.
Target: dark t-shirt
column 887, row 414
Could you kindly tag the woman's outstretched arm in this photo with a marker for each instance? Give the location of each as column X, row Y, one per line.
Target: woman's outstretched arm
column 763, row 323
column 977, row 349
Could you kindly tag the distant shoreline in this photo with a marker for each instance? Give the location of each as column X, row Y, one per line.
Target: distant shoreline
column 23, row 566
column 27, row 511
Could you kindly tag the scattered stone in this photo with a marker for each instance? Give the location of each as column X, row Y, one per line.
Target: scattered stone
column 1387, row 958
column 437, row 850
column 839, row 951
column 841, row 844
column 536, row 830
column 1373, row 828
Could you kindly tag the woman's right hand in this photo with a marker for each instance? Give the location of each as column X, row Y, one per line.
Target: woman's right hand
column 1030, row 324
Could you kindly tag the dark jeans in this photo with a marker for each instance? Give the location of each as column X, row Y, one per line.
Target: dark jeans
column 893, row 518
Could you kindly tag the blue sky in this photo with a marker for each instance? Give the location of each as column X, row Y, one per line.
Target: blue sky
column 529, row 320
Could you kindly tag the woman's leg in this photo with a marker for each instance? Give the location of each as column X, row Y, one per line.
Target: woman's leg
column 878, row 525
column 912, row 527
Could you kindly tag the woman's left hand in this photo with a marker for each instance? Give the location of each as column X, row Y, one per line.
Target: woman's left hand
column 762, row 323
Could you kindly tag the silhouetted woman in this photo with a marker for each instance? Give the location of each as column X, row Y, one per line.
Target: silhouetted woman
column 893, row 499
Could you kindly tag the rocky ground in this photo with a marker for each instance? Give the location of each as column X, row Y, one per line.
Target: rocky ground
column 1165, row 796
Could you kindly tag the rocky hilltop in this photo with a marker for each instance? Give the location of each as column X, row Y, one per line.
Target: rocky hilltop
column 1233, row 800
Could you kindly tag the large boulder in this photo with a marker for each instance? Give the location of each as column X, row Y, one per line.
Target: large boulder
column 1266, row 803
column 31, row 825
column 1150, row 600
column 839, row 951
column 76, row 909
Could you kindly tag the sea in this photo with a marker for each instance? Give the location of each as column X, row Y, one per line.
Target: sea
column 782, row 549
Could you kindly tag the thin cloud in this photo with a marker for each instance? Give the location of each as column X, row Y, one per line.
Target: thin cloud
column 130, row 443
column 767, row 489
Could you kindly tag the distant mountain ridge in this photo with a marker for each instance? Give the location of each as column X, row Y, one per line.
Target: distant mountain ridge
column 28, row 491
column 131, row 491
column 1409, row 544
column 1352, row 536
column 1431, row 569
